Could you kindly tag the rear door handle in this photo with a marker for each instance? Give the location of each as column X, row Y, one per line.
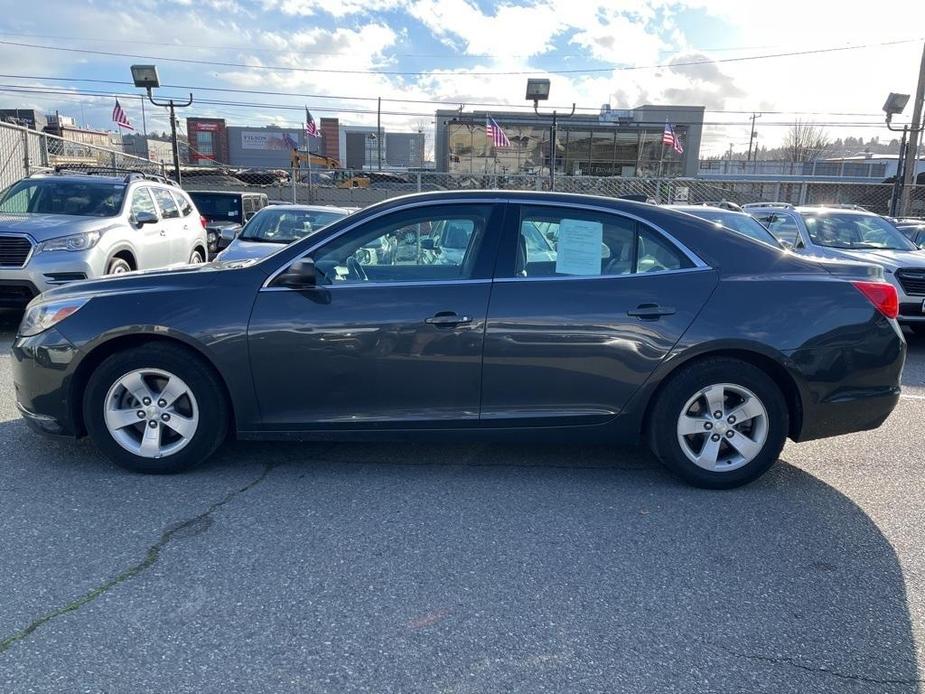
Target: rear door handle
column 163, row 232
column 447, row 319
column 651, row 311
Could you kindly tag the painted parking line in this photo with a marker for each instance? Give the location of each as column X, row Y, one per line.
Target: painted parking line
column 906, row 396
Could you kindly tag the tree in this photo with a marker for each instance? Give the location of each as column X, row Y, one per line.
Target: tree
column 805, row 142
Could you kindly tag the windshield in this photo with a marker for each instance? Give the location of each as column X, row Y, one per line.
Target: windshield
column 217, row 207
column 855, row 231
column 49, row 196
column 742, row 223
column 285, row 226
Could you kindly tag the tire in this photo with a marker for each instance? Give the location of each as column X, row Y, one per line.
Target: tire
column 760, row 430
column 196, row 258
column 200, row 411
column 118, row 266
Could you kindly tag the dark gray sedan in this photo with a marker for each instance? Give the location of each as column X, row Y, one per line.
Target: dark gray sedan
column 640, row 323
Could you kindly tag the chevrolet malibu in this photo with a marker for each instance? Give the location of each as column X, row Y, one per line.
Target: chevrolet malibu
column 641, row 324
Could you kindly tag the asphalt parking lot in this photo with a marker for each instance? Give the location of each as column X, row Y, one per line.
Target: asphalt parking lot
column 485, row 568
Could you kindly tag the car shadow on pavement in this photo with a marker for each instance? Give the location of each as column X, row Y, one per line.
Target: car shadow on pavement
column 474, row 568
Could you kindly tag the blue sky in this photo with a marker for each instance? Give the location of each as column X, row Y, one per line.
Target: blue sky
column 447, row 40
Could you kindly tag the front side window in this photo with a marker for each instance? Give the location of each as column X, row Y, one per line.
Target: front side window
column 782, row 226
column 52, row 196
column 142, row 202
column 429, row 245
column 558, row 242
column 165, row 201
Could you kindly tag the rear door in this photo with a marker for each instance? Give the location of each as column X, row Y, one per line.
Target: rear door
column 153, row 243
column 585, row 304
column 172, row 223
column 182, row 244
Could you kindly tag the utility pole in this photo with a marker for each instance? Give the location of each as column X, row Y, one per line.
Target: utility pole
column 379, row 130
column 751, row 138
column 914, row 132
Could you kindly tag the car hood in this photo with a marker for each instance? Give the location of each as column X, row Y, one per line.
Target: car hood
column 219, row 224
column 240, row 249
column 888, row 259
column 42, row 227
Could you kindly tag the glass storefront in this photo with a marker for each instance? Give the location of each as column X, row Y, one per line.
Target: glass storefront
column 580, row 150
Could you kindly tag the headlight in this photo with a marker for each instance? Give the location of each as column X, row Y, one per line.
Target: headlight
column 74, row 242
column 42, row 316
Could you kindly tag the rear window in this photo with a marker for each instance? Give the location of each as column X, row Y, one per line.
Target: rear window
column 182, row 203
column 165, row 201
column 50, row 196
column 216, row 207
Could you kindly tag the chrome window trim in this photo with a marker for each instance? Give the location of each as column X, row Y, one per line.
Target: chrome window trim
column 403, row 283
column 411, row 205
column 33, row 245
column 629, row 275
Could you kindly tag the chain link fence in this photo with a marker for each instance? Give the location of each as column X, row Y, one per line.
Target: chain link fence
column 24, row 152
column 347, row 188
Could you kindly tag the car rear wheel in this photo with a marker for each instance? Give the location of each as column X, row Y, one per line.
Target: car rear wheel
column 196, row 258
column 118, row 266
column 155, row 409
column 719, row 423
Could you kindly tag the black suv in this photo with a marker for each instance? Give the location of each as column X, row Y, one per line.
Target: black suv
column 226, row 212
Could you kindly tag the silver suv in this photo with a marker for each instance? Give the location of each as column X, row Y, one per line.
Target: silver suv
column 848, row 234
column 59, row 228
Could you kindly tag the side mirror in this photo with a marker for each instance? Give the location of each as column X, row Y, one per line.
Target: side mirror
column 228, row 235
column 142, row 218
column 300, row 275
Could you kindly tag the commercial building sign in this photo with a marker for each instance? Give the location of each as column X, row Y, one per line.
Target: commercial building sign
column 266, row 141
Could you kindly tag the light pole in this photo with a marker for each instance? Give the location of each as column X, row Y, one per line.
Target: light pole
column 145, row 77
column 895, row 103
column 370, row 139
column 537, row 91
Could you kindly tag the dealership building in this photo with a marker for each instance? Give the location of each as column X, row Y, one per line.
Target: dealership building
column 610, row 143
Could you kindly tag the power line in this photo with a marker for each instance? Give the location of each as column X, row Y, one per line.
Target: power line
column 465, row 119
column 456, row 103
column 475, row 73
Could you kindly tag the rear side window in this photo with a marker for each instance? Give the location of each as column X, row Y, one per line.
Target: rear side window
column 560, row 242
column 182, row 203
column 165, row 201
column 782, row 226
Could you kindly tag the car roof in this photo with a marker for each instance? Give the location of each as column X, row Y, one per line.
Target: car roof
column 107, row 180
column 310, row 208
column 694, row 209
column 821, row 209
column 233, row 193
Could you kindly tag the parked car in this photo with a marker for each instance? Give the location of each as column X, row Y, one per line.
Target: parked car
column 759, row 205
column 226, row 212
column 710, row 347
column 63, row 227
column 737, row 221
column 279, row 225
column 912, row 229
column 854, row 235
column 723, row 205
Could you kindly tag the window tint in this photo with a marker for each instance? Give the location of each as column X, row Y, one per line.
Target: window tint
column 249, row 206
column 855, row 231
column 782, row 226
column 430, row 245
column 165, row 201
column 64, row 196
column 182, row 203
column 142, row 202
column 557, row 242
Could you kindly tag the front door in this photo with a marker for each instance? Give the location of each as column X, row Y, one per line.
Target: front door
column 392, row 334
column 585, row 305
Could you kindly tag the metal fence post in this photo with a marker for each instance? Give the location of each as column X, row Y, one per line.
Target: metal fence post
column 419, row 181
column 25, row 152
column 803, row 193
column 112, row 160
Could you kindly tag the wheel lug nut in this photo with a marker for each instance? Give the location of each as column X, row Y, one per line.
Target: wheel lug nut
column 165, row 417
column 162, row 403
column 152, row 423
column 715, row 437
column 732, row 420
column 141, row 414
column 730, row 434
column 146, row 401
column 708, row 425
column 718, row 414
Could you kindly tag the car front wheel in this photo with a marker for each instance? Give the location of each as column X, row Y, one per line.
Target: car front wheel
column 155, row 409
column 719, row 423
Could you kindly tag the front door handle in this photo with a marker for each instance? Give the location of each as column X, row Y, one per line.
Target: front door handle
column 447, row 319
column 163, row 232
column 651, row 311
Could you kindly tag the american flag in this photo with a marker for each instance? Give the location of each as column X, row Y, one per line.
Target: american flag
column 310, row 128
column 119, row 117
column 495, row 134
column 669, row 138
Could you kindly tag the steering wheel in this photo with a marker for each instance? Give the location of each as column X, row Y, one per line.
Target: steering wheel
column 356, row 269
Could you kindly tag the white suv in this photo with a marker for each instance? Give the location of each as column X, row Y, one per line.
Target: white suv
column 59, row 228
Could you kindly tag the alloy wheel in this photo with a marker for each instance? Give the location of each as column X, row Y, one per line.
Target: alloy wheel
column 151, row 413
column 722, row 427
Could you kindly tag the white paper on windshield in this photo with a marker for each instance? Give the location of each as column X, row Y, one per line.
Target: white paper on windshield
column 579, row 247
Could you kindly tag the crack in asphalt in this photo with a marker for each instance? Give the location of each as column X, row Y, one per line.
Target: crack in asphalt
column 151, row 556
column 790, row 662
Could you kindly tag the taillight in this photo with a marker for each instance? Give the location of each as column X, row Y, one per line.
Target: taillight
column 203, row 221
column 882, row 295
